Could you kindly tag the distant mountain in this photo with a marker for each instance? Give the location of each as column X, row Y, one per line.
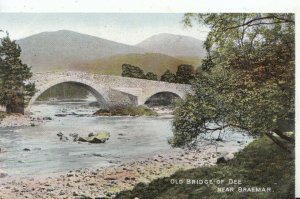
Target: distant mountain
column 149, row 62
column 173, row 45
column 61, row 49
column 68, row 50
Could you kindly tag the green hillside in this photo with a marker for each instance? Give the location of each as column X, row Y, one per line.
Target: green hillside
column 149, row 62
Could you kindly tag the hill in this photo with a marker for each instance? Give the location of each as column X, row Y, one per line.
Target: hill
column 173, row 45
column 68, row 50
column 149, row 62
column 61, row 49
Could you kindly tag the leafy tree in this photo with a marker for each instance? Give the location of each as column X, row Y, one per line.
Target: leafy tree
column 168, row 76
column 184, row 74
column 247, row 80
column 151, row 76
column 132, row 71
column 14, row 91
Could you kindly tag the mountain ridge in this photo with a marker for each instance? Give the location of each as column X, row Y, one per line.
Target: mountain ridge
column 173, row 45
column 66, row 50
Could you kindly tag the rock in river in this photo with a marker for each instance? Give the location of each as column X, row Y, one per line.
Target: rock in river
column 97, row 138
column 59, row 134
column 3, row 174
column 26, row 149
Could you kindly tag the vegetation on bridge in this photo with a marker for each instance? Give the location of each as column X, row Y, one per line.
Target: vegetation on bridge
column 184, row 75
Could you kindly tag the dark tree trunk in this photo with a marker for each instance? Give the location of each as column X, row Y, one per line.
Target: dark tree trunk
column 16, row 105
column 278, row 142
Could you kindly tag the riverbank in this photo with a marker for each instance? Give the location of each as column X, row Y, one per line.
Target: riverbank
column 18, row 120
column 106, row 182
column 261, row 170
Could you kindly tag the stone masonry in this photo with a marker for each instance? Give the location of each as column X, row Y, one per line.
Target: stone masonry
column 111, row 91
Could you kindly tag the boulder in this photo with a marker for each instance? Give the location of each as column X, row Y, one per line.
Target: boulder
column 26, row 149
column 47, row 118
column 91, row 134
column 82, row 139
column 225, row 159
column 95, row 138
column 59, row 134
column 60, row 115
column 221, row 160
column 64, row 138
column 3, row 174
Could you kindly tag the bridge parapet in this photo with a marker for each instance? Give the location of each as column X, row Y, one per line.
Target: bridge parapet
column 112, row 90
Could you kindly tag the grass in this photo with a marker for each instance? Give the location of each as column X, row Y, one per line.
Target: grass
column 260, row 164
column 128, row 111
column 2, row 115
column 149, row 62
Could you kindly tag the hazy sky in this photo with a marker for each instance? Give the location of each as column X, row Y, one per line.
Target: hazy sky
column 125, row 28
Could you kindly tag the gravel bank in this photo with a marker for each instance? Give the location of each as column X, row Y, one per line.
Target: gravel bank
column 17, row 120
column 106, row 182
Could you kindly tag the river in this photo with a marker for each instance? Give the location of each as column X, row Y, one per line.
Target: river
column 131, row 138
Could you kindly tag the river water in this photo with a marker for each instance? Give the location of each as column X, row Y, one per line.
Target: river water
column 131, row 138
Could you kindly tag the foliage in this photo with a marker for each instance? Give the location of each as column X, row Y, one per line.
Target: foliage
column 136, row 72
column 185, row 74
column 132, row 71
column 151, row 76
column 247, row 80
column 168, row 76
column 2, row 115
column 127, row 111
column 253, row 166
column 14, row 91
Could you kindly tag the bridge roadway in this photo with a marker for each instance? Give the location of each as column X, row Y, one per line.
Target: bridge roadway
column 111, row 91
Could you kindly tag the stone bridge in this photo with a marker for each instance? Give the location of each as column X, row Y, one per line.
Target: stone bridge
column 110, row 91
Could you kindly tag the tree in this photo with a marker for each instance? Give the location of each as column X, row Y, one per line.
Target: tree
column 168, row 77
column 247, row 80
column 151, row 76
column 14, row 91
column 184, row 74
column 132, row 71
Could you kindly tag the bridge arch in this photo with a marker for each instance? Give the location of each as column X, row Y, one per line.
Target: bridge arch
column 162, row 99
column 155, row 92
column 100, row 92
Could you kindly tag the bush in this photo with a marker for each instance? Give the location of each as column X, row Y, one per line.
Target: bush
column 127, row 111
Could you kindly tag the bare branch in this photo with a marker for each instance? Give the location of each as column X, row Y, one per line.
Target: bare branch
column 278, row 142
column 248, row 23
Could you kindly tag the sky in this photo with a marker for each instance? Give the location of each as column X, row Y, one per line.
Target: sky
column 120, row 27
